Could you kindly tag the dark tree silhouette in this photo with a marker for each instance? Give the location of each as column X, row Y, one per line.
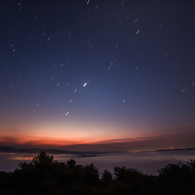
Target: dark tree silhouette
column 106, row 176
column 71, row 163
column 178, row 178
column 44, row 175
column 43, row 158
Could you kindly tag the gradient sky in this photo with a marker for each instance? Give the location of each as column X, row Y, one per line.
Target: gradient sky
column 97, row 75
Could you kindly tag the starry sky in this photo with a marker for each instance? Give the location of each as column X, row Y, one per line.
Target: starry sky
column 97, row 75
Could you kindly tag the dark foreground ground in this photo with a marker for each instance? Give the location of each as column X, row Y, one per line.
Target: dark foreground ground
column 43, row 175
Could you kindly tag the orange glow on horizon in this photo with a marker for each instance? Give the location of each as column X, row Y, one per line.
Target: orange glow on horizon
column 44, row 141
column 80, row 138
column 60, row 134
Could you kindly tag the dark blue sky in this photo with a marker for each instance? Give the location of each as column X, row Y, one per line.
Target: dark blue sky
column 95, row 71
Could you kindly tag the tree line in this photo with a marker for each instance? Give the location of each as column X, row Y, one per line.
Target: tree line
column 44, row 175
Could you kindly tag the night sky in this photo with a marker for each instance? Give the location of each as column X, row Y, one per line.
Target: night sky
column 97, row 75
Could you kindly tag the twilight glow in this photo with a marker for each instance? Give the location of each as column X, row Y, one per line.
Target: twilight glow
column 97, row 75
